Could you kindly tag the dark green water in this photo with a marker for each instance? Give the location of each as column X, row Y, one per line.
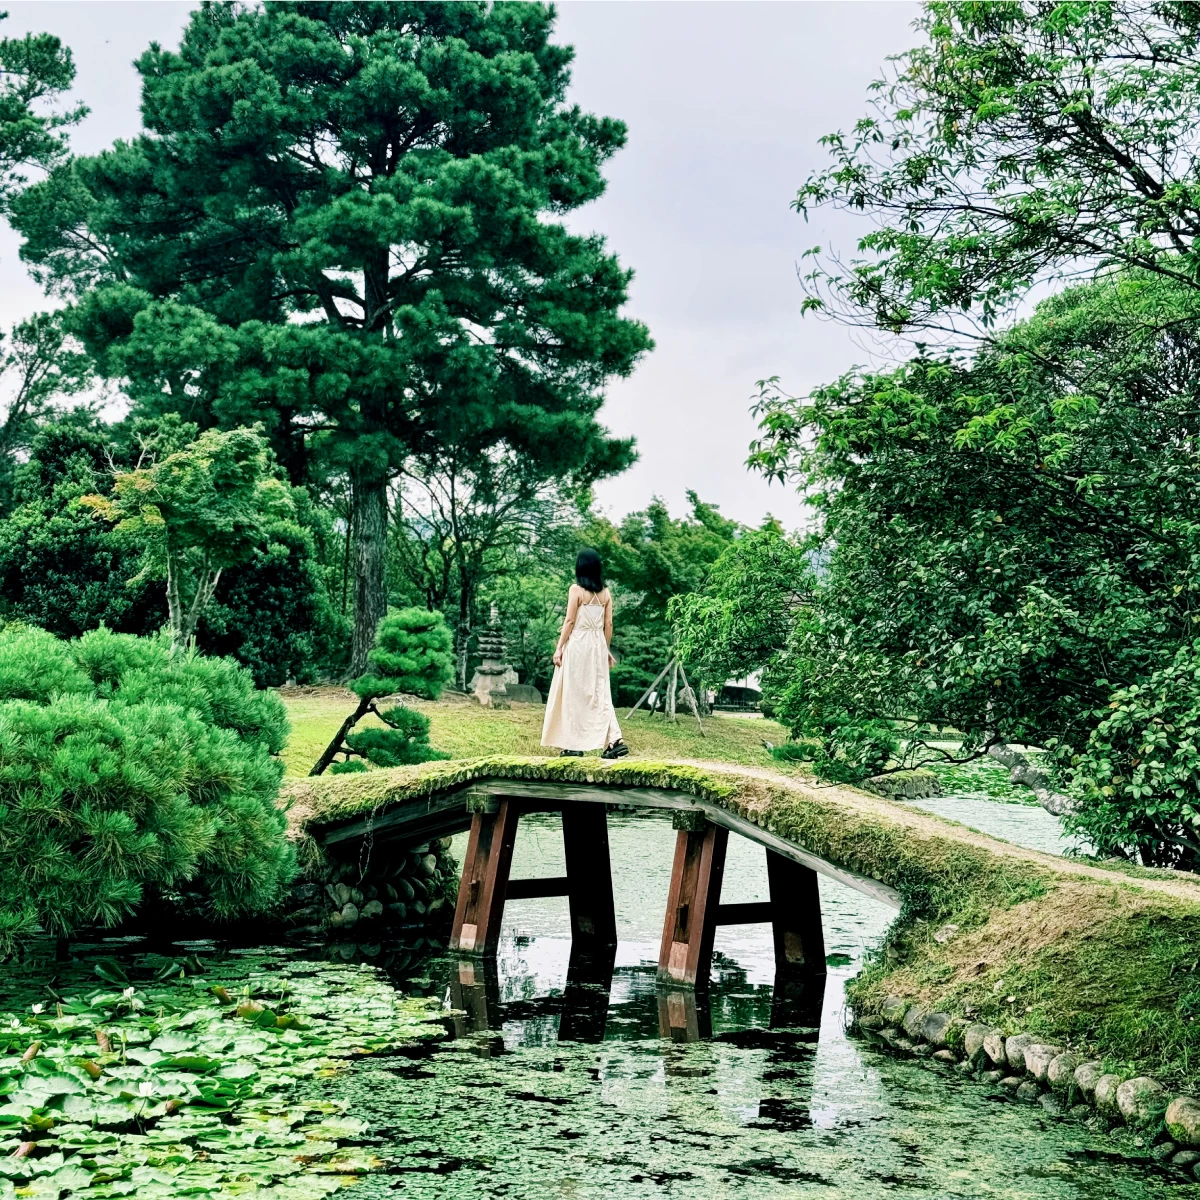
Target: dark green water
column 557, row 1091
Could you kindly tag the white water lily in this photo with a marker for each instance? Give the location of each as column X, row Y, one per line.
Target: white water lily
column 37, row 1008
column 128, row 993
column 146, row 1089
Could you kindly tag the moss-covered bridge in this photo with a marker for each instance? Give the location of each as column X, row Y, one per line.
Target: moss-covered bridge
column 1103, row 957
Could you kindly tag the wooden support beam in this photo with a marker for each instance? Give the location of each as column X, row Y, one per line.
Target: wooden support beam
column 683, row 1016
column 751, row 913
column 584, row 1012
column 589, row 877
column 795, row 917
column 692, row 904
column 535, row 889
column 484, row 884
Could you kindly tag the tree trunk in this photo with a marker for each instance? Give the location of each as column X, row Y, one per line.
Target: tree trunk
column 370, row 545
column 1023, row 773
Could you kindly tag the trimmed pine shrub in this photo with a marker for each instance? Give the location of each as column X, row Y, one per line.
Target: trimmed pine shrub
column 127, row 772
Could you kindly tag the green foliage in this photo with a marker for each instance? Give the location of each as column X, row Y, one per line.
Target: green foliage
column 33, row 70
column 742, row 617
column 404, row 742
column 408, row 287
column 127, row 771
column 412, row 654
column 62, row 569
column 1023, row 140
column 1138, row 778
column 196, row 512
column 1000, row 549
column 127, row 1057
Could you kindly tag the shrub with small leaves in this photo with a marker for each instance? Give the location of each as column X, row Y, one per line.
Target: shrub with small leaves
column 1137, row 783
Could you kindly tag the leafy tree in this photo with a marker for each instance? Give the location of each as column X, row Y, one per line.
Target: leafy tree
column 413, row 655
column 197, row 512
column 34, row 72
column 128, row 771
column 461, row 527
column 741, row 620
column 649, row 558
column 342, row 221
column 1002, row 550
column 1023, row 140
column 63, row 570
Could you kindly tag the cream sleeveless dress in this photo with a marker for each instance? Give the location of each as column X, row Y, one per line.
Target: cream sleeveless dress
column 579, row 710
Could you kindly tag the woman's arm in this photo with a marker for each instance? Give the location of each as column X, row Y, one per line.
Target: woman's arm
column 567, row 625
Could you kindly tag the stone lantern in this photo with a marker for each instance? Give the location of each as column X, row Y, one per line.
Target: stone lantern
column 493, row 676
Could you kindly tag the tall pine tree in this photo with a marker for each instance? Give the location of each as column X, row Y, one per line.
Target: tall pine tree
column 342, row 221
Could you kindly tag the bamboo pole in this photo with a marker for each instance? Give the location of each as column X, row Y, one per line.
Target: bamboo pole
column 646, row 693
column 691, row 695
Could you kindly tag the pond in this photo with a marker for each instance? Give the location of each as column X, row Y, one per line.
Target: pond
column 577, row 1095
column 547, row 1079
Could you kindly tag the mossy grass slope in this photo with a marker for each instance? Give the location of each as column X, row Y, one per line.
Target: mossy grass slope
column 1102, row 960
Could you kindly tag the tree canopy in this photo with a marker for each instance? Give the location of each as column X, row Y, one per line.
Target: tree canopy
column 343, row 221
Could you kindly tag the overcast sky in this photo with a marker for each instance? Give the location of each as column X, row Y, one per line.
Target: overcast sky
column 725, row 103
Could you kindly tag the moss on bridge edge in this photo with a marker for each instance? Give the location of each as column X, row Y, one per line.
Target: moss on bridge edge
column 1100, row 961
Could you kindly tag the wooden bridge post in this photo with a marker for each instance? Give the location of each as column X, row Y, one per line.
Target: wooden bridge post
column 692, row 902
column 589, row 877
column 484, row 885
column 795, row 918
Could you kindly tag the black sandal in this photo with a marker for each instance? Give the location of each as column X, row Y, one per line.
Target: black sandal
column 571, row 754
column 617, row 750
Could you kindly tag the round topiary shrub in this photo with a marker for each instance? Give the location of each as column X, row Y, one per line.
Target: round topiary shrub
column 126, row 772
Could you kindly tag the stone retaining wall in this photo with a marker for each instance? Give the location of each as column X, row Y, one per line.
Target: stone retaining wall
column 1055, row 1077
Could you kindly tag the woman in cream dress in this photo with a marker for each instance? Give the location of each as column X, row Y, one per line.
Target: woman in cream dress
column 579, row 710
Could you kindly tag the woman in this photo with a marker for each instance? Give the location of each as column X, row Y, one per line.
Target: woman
column 579, row 712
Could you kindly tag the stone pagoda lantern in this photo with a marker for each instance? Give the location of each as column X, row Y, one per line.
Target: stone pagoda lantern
column 493, row 676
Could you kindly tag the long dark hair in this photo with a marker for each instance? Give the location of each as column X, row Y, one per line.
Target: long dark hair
column 589, row 571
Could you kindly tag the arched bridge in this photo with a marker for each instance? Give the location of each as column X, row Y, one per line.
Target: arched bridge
column 491, row 796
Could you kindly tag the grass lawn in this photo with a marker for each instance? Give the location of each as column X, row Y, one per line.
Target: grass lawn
column 462, row 729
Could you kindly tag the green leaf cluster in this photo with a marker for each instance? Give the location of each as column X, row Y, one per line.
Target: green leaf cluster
column 412, row 654
column 127, row 771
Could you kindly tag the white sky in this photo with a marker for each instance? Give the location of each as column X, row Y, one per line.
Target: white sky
column 725, row 103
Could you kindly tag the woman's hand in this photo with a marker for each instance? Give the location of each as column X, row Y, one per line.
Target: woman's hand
column 558, row 658
column 612, row 662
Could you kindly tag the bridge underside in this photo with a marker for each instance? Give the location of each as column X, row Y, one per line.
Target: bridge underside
column 492, row 809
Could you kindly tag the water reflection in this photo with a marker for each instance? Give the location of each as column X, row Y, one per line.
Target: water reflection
column 609, row 1088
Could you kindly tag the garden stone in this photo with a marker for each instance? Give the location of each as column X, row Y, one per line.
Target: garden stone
column 913, row 1020
column 349, row 915
column 1061, row 1071
column 1142, row 1101
column 974, row 1037
column 1081, row 1111
column 1163, row 1151
column 1038, row 1058
column 1052, row 1104
column 939, row 1029
column 1029, row 1091
column 993, row 1046
column 946, row 1056
column 1011, row 1082
column 1106, row 1092
column 992, row 1076
column 1185, row 1158
column 1183, row 1120
column 1086, row 1076
column 870, row 1022
column 1014, row 1050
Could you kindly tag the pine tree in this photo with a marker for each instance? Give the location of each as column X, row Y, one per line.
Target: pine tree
column 412, row 654
column 128, row 771
column 342, row 221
